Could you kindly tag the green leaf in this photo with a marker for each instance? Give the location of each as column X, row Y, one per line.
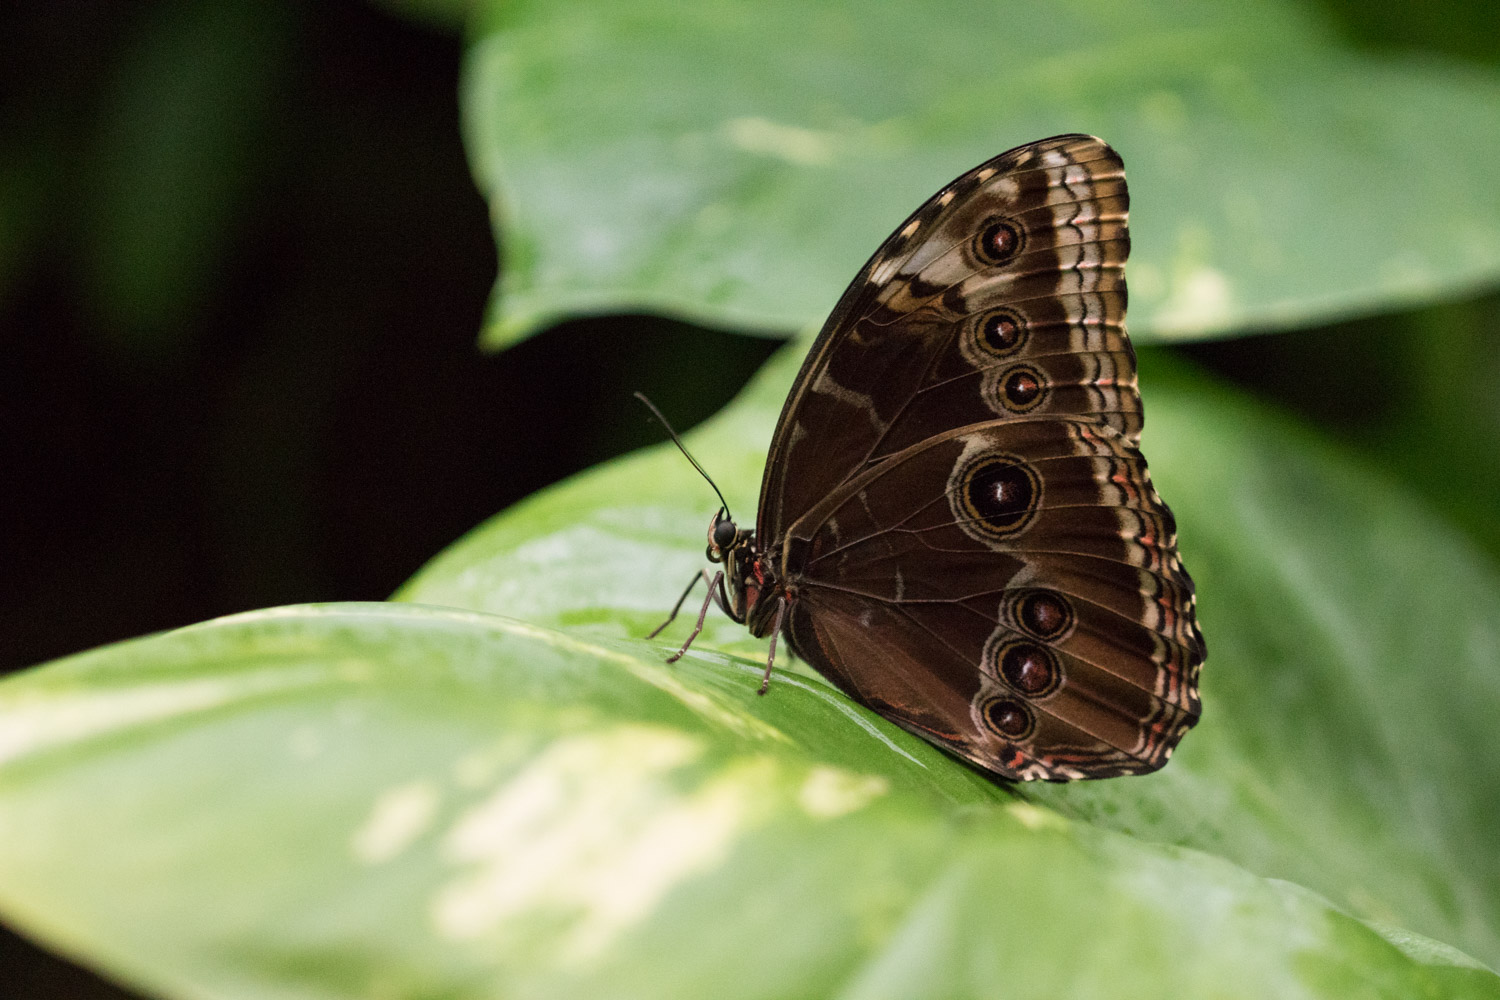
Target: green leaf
column 1349, row 692
column 736, row 162
column 378, row 800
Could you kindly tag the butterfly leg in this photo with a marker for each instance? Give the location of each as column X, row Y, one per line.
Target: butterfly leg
column 702, row 575
column 765, row 681
column 714, row 586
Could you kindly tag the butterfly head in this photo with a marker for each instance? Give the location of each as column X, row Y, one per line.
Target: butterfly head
column 746, row 575
column 724, row 536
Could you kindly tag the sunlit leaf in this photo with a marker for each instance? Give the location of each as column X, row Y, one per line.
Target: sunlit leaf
column 1349, row 688
column 385, row 800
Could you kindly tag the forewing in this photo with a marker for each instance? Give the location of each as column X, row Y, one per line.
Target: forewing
column 1010, row 589
column 1002, row 297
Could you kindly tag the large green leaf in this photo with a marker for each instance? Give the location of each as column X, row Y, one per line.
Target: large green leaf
column 381, row 801
column 396, row 800
column 736, row 161
column 1353, row 640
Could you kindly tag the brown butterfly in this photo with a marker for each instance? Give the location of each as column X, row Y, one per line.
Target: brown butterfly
column 956, row 526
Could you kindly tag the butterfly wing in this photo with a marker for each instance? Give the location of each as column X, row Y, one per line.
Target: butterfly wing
column 980, row 357
column 1010, row 590
column 1003, row 294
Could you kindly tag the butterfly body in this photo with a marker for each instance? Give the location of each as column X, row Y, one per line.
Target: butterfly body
column 956, row 525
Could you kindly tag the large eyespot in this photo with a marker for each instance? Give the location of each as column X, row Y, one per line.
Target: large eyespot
column 994, row 496
column 1021, row 388
column 1042, row 614
column 997, row 241
column 1028, row 668
column 1007, row 718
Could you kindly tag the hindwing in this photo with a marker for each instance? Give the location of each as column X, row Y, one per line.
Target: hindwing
column 1011, row 590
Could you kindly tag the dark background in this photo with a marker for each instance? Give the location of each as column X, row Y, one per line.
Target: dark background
column 237, row 332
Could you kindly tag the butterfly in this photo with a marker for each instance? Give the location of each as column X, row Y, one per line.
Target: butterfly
column 956, row 524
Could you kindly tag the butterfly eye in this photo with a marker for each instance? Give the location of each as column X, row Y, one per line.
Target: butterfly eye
column 998, row 241
column 724, row 534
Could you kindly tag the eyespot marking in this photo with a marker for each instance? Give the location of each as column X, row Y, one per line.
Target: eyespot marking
column 1008, row 718
column 994, row 496
column 1042, row 614
column 998, row 241
column 1000, row 332
column 1029, row 669
column 1022, row 388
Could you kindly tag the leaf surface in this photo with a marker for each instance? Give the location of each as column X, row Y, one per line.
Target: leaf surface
column 736, row 162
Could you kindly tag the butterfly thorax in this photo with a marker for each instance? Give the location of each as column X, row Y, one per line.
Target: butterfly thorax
column 749, row 574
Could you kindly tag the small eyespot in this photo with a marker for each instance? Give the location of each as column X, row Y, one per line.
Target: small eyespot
column 1030, row 669
column 1042, row 614
column 1007, row 717
column 1023, row 388
column 1001, row 333
column 998, row 241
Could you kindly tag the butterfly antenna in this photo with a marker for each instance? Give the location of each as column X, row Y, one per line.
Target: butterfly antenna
column 683, row 448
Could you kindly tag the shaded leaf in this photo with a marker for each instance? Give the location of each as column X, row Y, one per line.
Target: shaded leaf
column 736, row 162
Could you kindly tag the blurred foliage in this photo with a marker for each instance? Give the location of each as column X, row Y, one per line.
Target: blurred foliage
column 164, row 187
column 448, row 16
column 1469, row 29
column 241, row 268
column 1416, row 392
